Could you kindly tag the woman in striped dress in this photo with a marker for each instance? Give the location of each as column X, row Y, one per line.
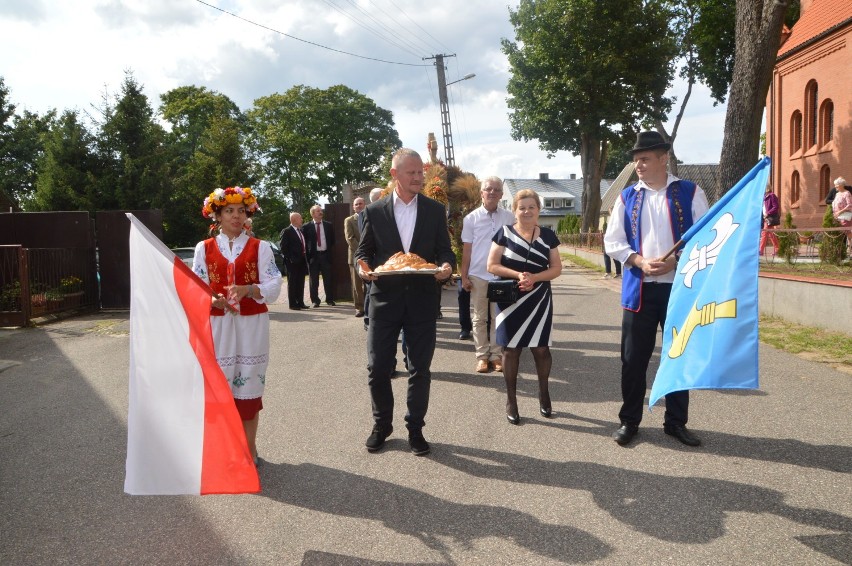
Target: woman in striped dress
column 529, row 253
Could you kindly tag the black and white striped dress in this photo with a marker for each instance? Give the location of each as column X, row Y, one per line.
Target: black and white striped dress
column 528, row 322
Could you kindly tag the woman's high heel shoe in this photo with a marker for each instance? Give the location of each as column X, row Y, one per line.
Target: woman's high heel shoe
column 512, row 416
column 544, row 405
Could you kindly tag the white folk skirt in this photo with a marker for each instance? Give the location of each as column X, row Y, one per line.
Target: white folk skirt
column 242, row 351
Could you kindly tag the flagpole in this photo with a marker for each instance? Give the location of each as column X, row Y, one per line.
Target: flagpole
column 678, row 244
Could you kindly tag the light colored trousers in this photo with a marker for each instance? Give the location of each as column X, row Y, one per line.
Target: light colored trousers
column 357, row 288
column 485, row 349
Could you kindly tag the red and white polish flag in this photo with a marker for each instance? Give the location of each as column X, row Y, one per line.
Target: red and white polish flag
column 184, row 435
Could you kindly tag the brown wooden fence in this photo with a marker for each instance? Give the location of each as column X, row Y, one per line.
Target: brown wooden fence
column 49, row 262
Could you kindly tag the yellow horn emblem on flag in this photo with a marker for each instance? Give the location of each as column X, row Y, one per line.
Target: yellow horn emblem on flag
column 706, row 315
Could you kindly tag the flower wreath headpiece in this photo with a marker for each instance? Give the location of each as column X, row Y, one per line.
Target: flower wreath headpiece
column 220, row 198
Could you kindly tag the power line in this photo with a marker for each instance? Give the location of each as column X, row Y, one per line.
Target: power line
column 417, row 37
column 419, row 26
column 385, row 30
column 309, row 42
column 366, row 26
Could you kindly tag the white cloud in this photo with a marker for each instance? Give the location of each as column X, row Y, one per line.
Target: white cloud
column 75, row 49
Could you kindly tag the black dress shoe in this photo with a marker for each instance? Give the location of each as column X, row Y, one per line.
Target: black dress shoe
column 464, row 335
column 295, row 308
column 680, row 432
column 418, row 444
column 546, row 412
column 316, row 305
column 331, row 303
column 377, row 438
column 625, row 434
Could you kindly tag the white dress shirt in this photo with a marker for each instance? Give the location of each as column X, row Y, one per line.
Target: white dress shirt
column 406, row 217
column 477, row 229
column 318, row 227
column 657, row 238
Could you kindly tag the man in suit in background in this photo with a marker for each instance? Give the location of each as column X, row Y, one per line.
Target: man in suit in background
column 375, row 195
column 404, row 222
column 353, row 238
column 319, row 239
column 292, row 247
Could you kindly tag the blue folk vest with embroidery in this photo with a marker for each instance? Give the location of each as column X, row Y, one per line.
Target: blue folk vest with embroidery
column 679, row 196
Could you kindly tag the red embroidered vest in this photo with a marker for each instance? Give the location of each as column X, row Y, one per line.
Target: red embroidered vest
column 245, row 273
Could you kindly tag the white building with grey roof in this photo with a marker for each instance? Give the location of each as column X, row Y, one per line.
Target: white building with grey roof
column 560, row 197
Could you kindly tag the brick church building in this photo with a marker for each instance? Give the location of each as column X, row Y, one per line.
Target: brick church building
column 809, row 110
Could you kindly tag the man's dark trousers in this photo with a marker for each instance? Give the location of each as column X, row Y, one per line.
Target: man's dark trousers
column 465, row 321
column 638, row 338
column 382, row 337
column 321, row 264
column 296, row 283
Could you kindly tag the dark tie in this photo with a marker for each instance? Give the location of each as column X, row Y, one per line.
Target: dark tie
column 319, row 234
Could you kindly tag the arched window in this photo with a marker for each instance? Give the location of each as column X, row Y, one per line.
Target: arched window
column 826, row 122
column 795, row 193
column 795, row 132
column 811, row 97
column 824, row 183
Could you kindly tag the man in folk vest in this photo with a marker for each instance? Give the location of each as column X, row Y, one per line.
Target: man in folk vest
column 645, row 223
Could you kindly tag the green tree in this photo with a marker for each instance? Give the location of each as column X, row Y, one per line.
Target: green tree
column 703, row 31
column 66, row 174
column 584, row 72
column 190, row 110
column 758, row 25
column 312, row 141
column 130, row 146
column 21, row 148
column 207, row 150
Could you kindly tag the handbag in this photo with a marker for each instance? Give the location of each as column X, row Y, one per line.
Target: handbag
column 503, row 291
column 506, row 290
column 846, row 216
column 773, row 219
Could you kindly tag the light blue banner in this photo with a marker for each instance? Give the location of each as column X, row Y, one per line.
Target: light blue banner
column 710, row 335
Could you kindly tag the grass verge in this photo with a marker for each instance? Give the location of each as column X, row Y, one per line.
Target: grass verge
column 809, row 342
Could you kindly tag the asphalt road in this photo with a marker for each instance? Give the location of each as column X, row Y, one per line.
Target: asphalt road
column 772, row 483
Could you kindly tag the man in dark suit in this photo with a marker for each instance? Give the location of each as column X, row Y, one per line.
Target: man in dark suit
column 292, row 247
column 319, row 239
column 404, row 222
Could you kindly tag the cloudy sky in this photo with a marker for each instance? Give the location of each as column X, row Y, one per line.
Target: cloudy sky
column 68, row 54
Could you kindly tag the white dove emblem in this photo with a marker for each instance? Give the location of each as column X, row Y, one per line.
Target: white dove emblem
column 701, row 258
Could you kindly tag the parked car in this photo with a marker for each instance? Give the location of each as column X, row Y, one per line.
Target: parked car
column 185, row 255
column 279, row 259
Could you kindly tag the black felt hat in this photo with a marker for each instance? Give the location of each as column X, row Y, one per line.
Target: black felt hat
column 650, row 140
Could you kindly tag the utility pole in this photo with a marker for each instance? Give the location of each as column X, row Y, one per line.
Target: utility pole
column 449, row 152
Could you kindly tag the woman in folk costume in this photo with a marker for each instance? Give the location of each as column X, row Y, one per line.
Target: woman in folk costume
column 242, row 273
